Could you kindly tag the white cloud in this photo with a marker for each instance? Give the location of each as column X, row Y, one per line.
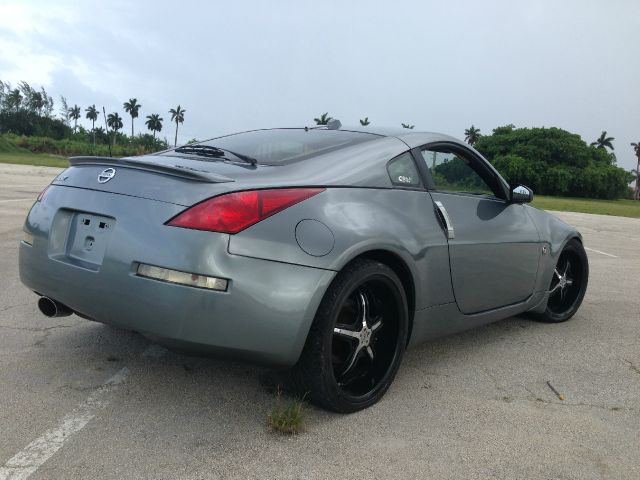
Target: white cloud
column 244, row 64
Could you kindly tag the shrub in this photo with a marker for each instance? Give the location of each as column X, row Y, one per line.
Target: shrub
column 553, row 161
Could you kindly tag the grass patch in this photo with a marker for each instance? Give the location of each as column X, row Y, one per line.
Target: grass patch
column 7, row 146
column 37, row 159
column 287, row 417
column 619, row 208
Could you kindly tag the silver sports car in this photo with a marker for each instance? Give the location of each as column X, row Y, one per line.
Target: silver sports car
column 328, row 250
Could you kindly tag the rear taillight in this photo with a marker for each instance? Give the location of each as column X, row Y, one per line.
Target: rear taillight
column 233, row 212
column 41, row 194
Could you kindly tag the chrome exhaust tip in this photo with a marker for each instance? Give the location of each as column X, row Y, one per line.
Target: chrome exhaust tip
column 50, row 308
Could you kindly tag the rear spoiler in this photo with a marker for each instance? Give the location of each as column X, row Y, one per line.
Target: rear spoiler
column 181, row 171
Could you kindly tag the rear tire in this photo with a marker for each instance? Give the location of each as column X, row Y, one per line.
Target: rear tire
column 568, row 285
column 357, row 339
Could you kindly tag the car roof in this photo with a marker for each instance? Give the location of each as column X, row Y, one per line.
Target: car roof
column 409, row 136
column 359, row 165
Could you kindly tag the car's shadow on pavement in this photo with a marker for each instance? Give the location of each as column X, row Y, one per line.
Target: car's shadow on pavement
column 183, row 390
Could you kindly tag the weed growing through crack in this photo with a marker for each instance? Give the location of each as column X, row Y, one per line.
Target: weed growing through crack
column 288, row 416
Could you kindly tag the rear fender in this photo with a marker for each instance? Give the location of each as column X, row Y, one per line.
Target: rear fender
column 355, row 221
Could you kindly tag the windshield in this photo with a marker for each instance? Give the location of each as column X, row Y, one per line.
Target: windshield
column 280, row 146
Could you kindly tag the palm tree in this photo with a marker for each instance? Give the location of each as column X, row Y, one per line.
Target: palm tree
column 115, row 122
column 92, row 114
column 100, row 133
column 154, row 123
column 14, row 99
column 603, row 141
column 365, row 122
column 406, row 125
column 132, row 107
column 177, row 115
column 64, row 110
column 471, row 135
column 74, row 112
column 636, row 148
column 36, row 102
column 323, row 120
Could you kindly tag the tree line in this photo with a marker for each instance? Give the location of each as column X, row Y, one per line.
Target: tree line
column 550, row 160
column 557, row 162
column 25, row 110
column 554, row 161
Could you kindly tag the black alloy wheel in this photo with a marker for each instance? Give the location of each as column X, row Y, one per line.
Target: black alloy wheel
column 568, row 284
column 357, row 340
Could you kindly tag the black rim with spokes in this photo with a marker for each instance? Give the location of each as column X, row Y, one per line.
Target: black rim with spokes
column 566, row 283
column 365, row 337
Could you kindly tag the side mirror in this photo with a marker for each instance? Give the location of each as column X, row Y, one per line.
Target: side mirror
column 521, row 194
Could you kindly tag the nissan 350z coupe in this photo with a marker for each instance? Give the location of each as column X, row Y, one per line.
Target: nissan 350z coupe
column 323, row 249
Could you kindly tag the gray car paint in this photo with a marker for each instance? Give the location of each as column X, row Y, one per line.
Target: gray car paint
column 494, row 255
column 275, row 285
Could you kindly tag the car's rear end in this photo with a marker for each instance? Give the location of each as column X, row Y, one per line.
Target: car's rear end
column 144, row 243
column 112, row 241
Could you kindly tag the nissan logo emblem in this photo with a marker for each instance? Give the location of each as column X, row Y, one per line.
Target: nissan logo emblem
column 106, row 175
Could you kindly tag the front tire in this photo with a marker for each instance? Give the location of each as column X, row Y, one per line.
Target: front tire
column 568, row 284
column 357, row 339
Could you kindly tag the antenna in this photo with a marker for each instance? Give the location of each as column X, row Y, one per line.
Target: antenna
column 104, row 114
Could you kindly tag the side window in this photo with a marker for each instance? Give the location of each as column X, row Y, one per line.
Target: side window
column 451, row 172
column 403, row 171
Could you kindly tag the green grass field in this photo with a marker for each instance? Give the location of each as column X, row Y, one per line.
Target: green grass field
column 37, row 159
column 620, row 208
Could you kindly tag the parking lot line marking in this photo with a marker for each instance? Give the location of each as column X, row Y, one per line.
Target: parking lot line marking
column 602, row 253
column 33, row 456
column 16, row 200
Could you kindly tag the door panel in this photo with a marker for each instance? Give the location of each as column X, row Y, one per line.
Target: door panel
column 494, row 254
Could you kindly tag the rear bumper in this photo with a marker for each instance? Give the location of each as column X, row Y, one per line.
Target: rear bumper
column 264, row 316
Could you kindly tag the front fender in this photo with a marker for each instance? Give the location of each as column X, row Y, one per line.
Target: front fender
column 554, row 235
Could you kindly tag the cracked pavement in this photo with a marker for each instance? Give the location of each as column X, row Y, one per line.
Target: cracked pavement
column 473, row 405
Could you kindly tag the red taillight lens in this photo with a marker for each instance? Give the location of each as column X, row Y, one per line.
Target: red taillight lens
column 233, row 212
column 41, row 194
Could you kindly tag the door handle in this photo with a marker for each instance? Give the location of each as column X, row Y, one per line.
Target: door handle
column 444, row 218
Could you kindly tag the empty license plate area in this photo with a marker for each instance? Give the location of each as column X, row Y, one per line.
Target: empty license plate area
column 80, row 238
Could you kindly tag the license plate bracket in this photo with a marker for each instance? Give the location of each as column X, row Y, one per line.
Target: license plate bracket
column 86, row 240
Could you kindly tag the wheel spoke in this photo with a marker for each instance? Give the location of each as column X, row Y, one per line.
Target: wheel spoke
column 370, row 352
column 364, row 309
column 376, row 326
column 345, row 382
column 352, row 361
column 567, row 268
column 346, row 332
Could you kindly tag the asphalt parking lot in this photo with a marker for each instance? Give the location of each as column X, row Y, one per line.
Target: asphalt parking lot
column 83, row 400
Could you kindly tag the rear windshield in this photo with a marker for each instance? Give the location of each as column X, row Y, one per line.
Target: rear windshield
column 280, row 146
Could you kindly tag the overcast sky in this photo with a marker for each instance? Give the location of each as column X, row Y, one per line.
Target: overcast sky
column 236, row 65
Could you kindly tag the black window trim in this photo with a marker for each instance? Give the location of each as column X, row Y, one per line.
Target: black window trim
column 500, row 183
